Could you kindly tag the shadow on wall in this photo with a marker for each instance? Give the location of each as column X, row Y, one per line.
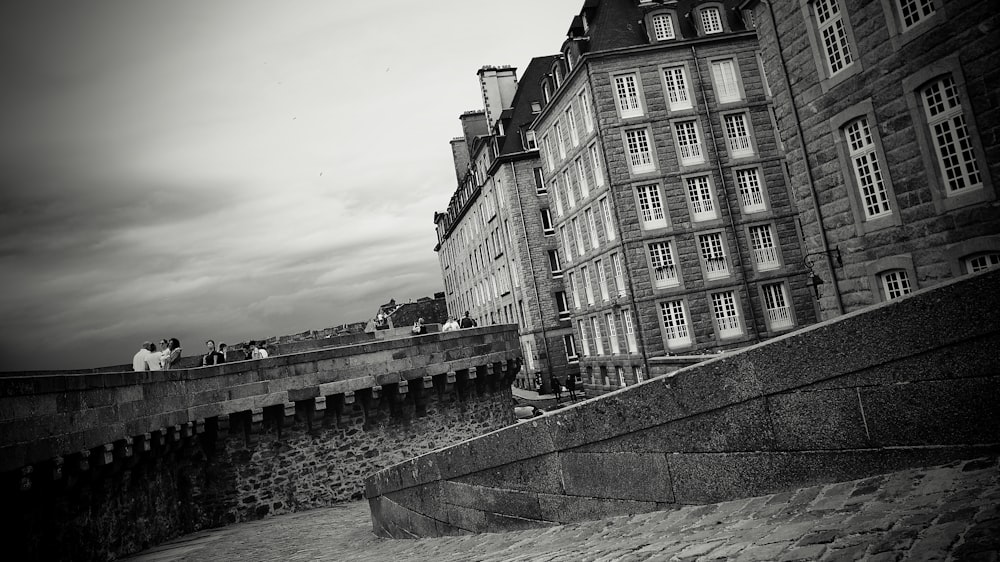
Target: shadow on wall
column 902, row 384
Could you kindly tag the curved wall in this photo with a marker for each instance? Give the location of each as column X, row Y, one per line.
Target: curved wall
column 908, row 383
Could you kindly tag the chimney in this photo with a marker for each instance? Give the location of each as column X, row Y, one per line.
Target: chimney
column 460, row 154
column 473, row 125
column 498, row 85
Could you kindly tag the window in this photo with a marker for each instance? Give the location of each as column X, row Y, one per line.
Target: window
column 699, row 190
column 530, row 142
column 675, row 326
column 587, row 288
column 580, row 250
column 713, row 256
column 574, row 136
column 594, row 242
column 637, row 373
column 568, row 182
column 588, row 119
column 557, row 75
column 570, row 344
column 676, row 84
column 537, row 107
column 867, row 172
column 727, row 317
column 751, row 193
column 912, row 12
column 836, row 48
column 567, row 249
column 630, row 342
column 953, row 148
column 738, row 135
column 726, row 81
column 560, row 139
column 627, row 96
column 548, row 152
column 776, row 310
column 562, row 306
column 609, row 229
column 765, row 252
column 581, row 172
column 661, row 258
column 539, row 184
column 595, row 324
column 554, row 265
column 546, row 91
column 982, row 262
column 651, row 213
column 711, row 21
column 602, row 280
column 895, row 284
column 609, row 321
column 585, row 343
column 547, row 228
column 640, row 155
column 620, row 371
column 688, row 143
column 556, row 191
column 663, row 27
column 573, row 289
column 616, row 263
column 595, row 159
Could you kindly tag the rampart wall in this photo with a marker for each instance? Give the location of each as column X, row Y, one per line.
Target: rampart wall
column 909, row 383
column 97, row 466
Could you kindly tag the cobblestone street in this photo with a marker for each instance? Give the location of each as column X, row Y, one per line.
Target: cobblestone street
column 942, row 513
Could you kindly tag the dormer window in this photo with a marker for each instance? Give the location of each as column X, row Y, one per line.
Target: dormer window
column 568, row 57
column 711, row 20
column 536, row 107
column 546, row 91
column 662, row 25
column 557, row 74
column 529, row 140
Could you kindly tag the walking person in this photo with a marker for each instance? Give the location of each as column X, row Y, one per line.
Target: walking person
column 571, row 387
column 467, row 322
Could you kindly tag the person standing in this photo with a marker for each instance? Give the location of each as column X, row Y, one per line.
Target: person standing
column 164, row 353
column 139, row 359
column 467, row 322
column 571, row 387
column 451, row 325
column 223, row 349
column 556, row 387
column 153, row 359
column 418, row 327
column 174, row 354
column 213, row 357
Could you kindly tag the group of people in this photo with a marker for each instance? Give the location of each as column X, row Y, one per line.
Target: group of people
column 453, row 323
column 148, row 358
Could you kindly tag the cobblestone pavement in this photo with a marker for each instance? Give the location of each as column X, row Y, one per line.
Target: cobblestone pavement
column 942, row 513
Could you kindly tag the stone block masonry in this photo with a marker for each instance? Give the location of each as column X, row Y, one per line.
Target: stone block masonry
column 903, row 384
column 135, row 464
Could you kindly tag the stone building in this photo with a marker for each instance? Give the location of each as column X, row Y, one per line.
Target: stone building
column 676, row 228
column 494, row 246
column 889, row 110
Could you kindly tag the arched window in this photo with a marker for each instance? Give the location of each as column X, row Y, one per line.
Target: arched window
column 546, row 91
column 662, row 26
column 712, row 19
column 557, row 74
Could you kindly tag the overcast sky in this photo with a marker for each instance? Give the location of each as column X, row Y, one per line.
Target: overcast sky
column 230, row 169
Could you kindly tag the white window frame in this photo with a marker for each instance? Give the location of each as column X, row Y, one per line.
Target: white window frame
column 869, row 177
column 595, row 160
column 620, row 371
column 702, row 203
column 609, row 320
column 677, row 87
column 560, row 140
column 588, row 117
column 664, row 268
column 945, row 117
column 714, row 258
column 588, row 290
column 551, row 229
column 895, row 283
column 778, row 313
column 581, row 172
column 750, row 185
column 638, row 145
column 580, row 247
column 595, row 327
column 616, row 264
column 726, row 81
column 676, row 329
column 567, row 180
column 556, row 191
column 834, row 40
column 738, row 145
column 649, row 204
column 609, row 229
column 571, row 278
column 990, row 260
column 567, row 248
column 584, row 340
column 539, row 178
column 727, row 315
column 569, row 342
column 629, row 328
column 574, row 135
column 689, row 153
column 663, row 26
column 628, row 95
column 602, row 280
column 764, row 246
column 710, row 18
column 592, row 224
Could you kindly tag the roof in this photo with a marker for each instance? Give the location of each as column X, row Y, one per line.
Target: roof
column 433, row 311
column 529, row 89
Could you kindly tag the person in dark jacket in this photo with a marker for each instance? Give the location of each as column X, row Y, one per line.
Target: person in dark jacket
column 571, row 387
column 556, row 387
column 467, row 322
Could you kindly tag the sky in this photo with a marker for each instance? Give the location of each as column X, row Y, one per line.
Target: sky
column 230, row 169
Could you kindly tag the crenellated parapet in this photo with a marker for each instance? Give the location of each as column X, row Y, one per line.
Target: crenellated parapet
column 54, row 424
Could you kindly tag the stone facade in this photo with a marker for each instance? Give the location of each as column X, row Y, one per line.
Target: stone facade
column 863, row 159
column 240, row 471
column 668, row 255
column 492, row 246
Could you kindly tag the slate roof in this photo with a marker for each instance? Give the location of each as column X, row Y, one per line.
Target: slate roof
column 529, row 89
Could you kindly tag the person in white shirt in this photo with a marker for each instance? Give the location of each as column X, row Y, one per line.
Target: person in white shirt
column 139, row 359
column 153, row 359
column 451, row 325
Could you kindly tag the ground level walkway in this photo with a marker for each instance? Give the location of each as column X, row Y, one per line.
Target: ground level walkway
column 943, row 513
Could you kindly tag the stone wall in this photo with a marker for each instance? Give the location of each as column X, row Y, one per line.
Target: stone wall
column 239, row 473
column 902, row 384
